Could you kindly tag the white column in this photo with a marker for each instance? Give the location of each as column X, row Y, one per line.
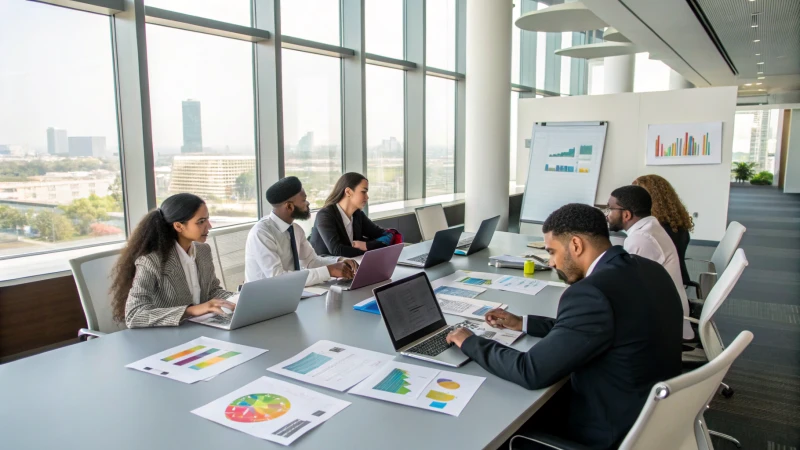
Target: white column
column 676, row 81
column 618, row 74
column 488, row 123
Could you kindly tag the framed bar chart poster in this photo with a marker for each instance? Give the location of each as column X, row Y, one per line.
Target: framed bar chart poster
column 684, row 143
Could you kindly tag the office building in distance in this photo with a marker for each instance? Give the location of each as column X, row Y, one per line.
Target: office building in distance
column 57, row 143
column 208, row 176
column 192, row 127
column 87, row 146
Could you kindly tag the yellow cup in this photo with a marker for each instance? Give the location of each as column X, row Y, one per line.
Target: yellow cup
column 529, row 268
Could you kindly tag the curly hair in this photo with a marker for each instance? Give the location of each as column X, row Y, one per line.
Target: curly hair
column 667, row 206
column 577, row 218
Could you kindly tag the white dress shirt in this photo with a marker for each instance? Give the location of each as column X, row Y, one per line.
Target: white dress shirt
column 648, row 239
column 268, row 252
column 189, row 266
column 348, row 224
column 588, row 272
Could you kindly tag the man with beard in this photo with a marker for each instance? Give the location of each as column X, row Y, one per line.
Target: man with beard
column 617, row 332
column 276, row 244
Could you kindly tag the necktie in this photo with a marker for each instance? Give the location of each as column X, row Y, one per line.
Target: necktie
column 293, row 243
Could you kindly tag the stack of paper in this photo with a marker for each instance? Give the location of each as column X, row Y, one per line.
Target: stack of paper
column 331, row 365
column 420, row 387
column 467, row 307
column 522, row 285
column 484, row 330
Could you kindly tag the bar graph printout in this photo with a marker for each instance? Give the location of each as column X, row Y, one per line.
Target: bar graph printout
column 564, row 166
column 331, row 365
column 200, row 359
column 421, row 387
column 272, row 409
column 684, row 143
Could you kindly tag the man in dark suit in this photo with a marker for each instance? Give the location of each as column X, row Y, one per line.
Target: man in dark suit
column 617, row 331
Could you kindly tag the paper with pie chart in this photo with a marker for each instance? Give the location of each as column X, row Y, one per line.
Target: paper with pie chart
column 421, row 387
column 331, row 365
column 200, row 359
column 272, row 409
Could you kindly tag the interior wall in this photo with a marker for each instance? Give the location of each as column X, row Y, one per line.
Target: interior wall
column 791, row 182
column 703, row 188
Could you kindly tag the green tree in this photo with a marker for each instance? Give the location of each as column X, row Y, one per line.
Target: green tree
column 53, row 226
column 86, row 211
column 12, row 218
column 116, row 192
column 246, row 185
column 743, row 171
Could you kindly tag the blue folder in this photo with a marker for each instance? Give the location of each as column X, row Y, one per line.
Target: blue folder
column 370, row 307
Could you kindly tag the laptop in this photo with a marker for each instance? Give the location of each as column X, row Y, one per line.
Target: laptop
column 480, row 240
column 442, row 248
column 376, row 266
column 261, row 300
column 415, row 321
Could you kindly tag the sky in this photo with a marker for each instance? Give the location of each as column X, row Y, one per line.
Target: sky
column 60, row 73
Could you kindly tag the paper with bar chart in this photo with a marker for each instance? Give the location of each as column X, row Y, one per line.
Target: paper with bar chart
column 272, row 409
column 200, row 359
column 684, row 143
column 420, row 387
column 332, row 365
column 564, row 166
column 466, row 307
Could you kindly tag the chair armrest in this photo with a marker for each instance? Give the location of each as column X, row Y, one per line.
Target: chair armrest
column 548, row 441
column 706, row 282
column 84, row 334
column 691, row 319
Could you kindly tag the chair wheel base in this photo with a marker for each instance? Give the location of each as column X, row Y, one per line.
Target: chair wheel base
column 727, row 392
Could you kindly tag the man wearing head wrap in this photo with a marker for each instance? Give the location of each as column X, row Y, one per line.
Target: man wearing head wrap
column 276, row 244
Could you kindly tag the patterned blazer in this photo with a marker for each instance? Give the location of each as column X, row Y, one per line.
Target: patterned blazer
column 159, row 295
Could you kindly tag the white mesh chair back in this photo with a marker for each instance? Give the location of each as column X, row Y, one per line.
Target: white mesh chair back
column 431, row 219
column 712, row 344
column 228, row 250
column 93, row 276
column 673, row 414
column 727, row 246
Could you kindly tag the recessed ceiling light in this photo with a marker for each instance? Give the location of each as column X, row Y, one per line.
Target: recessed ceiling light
column 756, row 40
column 753, row 26
column 762, row 62
column 748, row 84
column 759, row 84
column 759, row 73
column 758, row 54
column 761, row 78
column 760, row 89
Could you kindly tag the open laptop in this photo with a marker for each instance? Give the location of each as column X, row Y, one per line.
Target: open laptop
column 480, row 240
column 415, row 321
column 442, row 248
column 376, row 266
column 261, row 300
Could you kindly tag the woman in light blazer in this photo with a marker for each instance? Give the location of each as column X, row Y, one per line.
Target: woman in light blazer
column 165, row 274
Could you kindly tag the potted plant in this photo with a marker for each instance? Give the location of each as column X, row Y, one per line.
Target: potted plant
column 762, row 178
column 743, row 171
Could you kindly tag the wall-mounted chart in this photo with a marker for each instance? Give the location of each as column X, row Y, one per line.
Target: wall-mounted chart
column 684, row 143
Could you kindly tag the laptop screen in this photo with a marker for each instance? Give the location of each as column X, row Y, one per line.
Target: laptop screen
column 409, row 309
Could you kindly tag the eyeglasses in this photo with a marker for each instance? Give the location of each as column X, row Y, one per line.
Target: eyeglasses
column 607, row 211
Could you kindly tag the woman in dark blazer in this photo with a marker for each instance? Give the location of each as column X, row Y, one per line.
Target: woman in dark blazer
column 341, row 227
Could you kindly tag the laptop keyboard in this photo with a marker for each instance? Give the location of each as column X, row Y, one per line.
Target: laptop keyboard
column 436, row 344
column 465, row 243
column 220, row 320
column 420, row 259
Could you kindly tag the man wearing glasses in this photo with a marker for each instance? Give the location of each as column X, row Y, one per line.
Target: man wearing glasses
column 629, row 210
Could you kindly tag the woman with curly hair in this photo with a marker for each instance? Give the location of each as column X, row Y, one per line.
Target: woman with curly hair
column 670, row 212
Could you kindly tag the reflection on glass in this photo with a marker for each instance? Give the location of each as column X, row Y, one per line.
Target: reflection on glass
column 59, row 153
column 440, row 28
column 755, row 138
column 385, row 131
column 231, row 11
column 440, row 140
column 315, row 20
column 201, row 94
column 312, row 122
column 383, row 21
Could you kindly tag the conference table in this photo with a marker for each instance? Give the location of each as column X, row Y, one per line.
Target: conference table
column 82, row 396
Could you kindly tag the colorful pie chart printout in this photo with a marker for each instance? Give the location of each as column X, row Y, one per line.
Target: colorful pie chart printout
column 272, row 409
column 447, row 384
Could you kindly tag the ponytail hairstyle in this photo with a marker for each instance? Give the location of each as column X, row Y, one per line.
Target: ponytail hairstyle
column 349, row 180
column 155, row 233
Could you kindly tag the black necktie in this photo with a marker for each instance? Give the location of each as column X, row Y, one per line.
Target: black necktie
column 293, row 243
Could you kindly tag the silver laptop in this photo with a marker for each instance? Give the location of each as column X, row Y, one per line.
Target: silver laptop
column 415, row 321
column 261, row 300
column 376, row 266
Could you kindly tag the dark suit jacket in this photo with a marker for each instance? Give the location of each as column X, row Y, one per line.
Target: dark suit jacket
column 617, row 332
column 329, row 237
column 681, row 240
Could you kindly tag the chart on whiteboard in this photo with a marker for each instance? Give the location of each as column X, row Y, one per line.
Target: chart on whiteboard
column 564, row 167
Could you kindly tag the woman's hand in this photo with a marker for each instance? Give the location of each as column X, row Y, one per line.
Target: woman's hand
column 213, row 306
column 361, row 245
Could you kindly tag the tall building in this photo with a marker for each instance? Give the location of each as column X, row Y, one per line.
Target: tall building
column 87, row 146
column 192, row 127
column 57, row 143
column 208, row 176
column 758, row 139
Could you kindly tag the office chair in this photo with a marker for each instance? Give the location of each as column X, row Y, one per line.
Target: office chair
column 672, row 417
column 93, row 276
column 227, row 248
column 704, row 273
column 431, row 219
